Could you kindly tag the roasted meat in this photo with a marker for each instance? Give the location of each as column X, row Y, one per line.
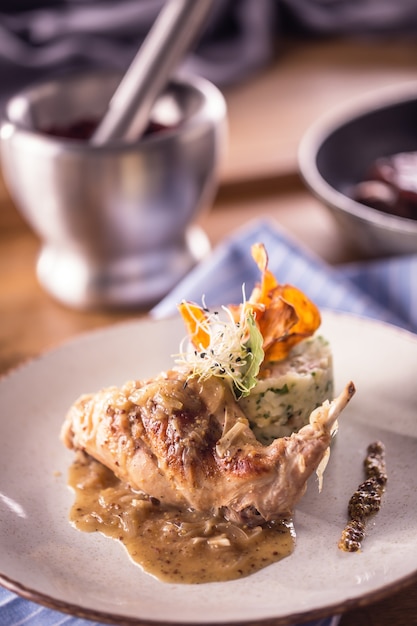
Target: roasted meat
column 188, row 443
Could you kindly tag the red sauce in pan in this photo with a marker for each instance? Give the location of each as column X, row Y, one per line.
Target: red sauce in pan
column 82, row 130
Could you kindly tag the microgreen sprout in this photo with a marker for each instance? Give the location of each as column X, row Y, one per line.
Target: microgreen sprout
column 232, row 350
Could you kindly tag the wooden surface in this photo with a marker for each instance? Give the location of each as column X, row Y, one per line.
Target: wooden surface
column 268, row 115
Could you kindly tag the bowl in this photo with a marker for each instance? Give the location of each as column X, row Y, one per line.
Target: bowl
column 117, row 223
column 336, row 153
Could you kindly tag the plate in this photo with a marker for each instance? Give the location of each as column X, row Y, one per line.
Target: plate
column 43, row 558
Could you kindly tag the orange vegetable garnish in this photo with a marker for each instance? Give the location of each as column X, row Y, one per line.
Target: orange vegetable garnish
column 283, row 314
column 261, row 293
column 194, row 318
column 286, row 317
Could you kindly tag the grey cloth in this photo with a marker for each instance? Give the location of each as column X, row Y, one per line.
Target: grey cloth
column 46, row 37
column 344, row 17
column 70, row 34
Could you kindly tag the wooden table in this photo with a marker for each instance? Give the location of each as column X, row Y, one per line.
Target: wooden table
column 268, row 115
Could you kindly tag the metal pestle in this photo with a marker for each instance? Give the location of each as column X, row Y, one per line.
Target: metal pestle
column 172, row 34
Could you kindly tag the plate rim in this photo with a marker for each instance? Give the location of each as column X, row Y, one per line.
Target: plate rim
column 337, row 608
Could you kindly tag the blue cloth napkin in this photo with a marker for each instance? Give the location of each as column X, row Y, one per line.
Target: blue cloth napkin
column 385, row 290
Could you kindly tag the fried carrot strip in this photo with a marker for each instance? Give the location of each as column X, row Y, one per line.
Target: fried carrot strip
column 194, row 318
column 283, row 314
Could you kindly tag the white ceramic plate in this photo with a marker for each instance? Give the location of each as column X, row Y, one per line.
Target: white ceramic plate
column 43, row 558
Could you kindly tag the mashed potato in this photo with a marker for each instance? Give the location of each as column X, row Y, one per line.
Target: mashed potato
column 282, row 400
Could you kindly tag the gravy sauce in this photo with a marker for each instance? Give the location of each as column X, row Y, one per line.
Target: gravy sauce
column 176, row 546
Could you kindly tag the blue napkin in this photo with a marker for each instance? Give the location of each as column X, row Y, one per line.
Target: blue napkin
column 385, row 290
